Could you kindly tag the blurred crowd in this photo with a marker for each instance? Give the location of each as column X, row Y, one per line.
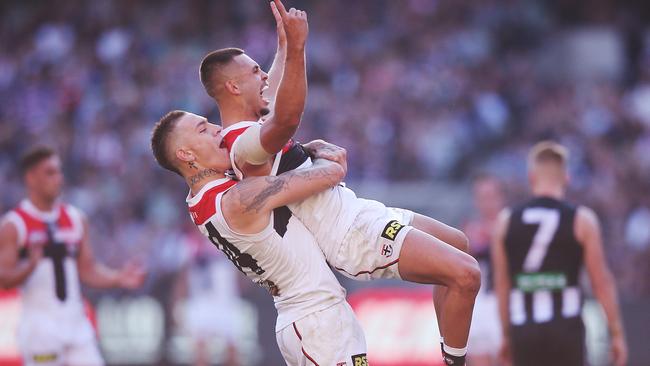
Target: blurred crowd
column 416, row 90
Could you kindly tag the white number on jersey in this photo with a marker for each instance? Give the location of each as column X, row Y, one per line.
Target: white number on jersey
column 548, row 220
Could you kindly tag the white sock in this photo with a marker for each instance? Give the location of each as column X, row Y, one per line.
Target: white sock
column 458, row 352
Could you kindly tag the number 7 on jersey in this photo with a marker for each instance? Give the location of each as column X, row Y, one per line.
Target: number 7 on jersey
column 548, row 220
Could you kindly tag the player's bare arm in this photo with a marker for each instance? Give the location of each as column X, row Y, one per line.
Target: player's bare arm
column 95, row 274
column 277, row 67
column 292, row 89
column 13, row 271
column 588, row 233
column 248, row 205
column 501, row 279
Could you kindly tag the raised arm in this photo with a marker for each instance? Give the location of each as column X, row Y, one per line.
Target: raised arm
column 13, row 271
column 277, row 67
column 292, row 90
column 501, row 278
column 587, row 230
column 95, row 274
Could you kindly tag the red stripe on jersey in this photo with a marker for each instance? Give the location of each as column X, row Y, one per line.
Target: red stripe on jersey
column 206, row 207
column 231, row 136
column 64, row 219
column 33, row 224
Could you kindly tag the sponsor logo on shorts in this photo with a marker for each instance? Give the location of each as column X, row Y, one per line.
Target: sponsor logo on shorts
column 391, row 230
column 387, row 250
column 342, row 364
column 42, row 358
column 360, row 360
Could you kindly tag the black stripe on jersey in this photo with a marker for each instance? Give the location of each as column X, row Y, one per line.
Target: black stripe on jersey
column 48, row 251
column 239, row 259
column 290, row 160
column 281, row 216
column 293, row 158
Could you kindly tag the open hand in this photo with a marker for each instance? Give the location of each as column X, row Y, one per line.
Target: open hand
column 132, row 276
column 295, row 24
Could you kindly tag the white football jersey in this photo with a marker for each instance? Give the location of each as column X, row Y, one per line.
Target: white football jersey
column 328, row 215
column 39, row 291
column 283, row 258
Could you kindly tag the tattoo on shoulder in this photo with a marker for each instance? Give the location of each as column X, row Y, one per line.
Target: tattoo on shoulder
column 202, row 175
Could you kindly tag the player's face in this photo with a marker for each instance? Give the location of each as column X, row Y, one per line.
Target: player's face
column 203, row 140
column 488, row 197
column 46, row 178
column 252, row 82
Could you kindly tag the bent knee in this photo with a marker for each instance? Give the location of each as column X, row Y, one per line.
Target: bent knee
column 468, row 278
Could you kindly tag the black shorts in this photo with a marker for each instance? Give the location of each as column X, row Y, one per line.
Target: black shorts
column 557, row 343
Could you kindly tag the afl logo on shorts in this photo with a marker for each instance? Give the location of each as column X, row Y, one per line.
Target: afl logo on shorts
column 387, row 250
column 391, row 230
column 360, row 360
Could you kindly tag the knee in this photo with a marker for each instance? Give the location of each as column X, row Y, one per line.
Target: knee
column 468, row 279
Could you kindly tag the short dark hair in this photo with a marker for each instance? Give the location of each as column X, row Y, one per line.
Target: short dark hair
column 160, row 138
column 213, row 61
column 34, row 156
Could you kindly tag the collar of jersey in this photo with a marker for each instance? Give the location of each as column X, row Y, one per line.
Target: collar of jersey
column 237, row 125
column 191, row 201
column 48, row 216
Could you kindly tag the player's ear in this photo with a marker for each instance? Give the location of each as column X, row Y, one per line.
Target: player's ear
column 184, row 156
column 232, row 87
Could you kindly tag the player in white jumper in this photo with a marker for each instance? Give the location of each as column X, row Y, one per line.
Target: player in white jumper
column 315, row 324
column 361, row 238
column 44, row 249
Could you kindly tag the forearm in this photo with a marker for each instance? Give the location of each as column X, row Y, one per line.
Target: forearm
column 292, row 91
column 99, row 276
column 13, row 277
column 275, row 74
column 605, row 291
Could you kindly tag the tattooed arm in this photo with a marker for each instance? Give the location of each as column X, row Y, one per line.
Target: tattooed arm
column 247, row 206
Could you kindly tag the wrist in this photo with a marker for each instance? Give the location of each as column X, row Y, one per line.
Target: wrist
column 295, row 50
column 616, row 331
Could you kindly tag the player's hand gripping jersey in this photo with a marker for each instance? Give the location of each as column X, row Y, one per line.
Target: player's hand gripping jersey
column 290, row 266
column 360, row 238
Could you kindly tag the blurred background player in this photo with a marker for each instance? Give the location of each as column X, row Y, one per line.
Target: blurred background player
column 44, row 249
column 484, row 336
column 539, row 249
column 208, row 294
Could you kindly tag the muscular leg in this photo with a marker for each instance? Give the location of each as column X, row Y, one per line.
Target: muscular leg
column 448, row 235
column 427, row 259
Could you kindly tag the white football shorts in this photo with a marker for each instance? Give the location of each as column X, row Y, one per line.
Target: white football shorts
column 332, row 336
column 371, row 248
